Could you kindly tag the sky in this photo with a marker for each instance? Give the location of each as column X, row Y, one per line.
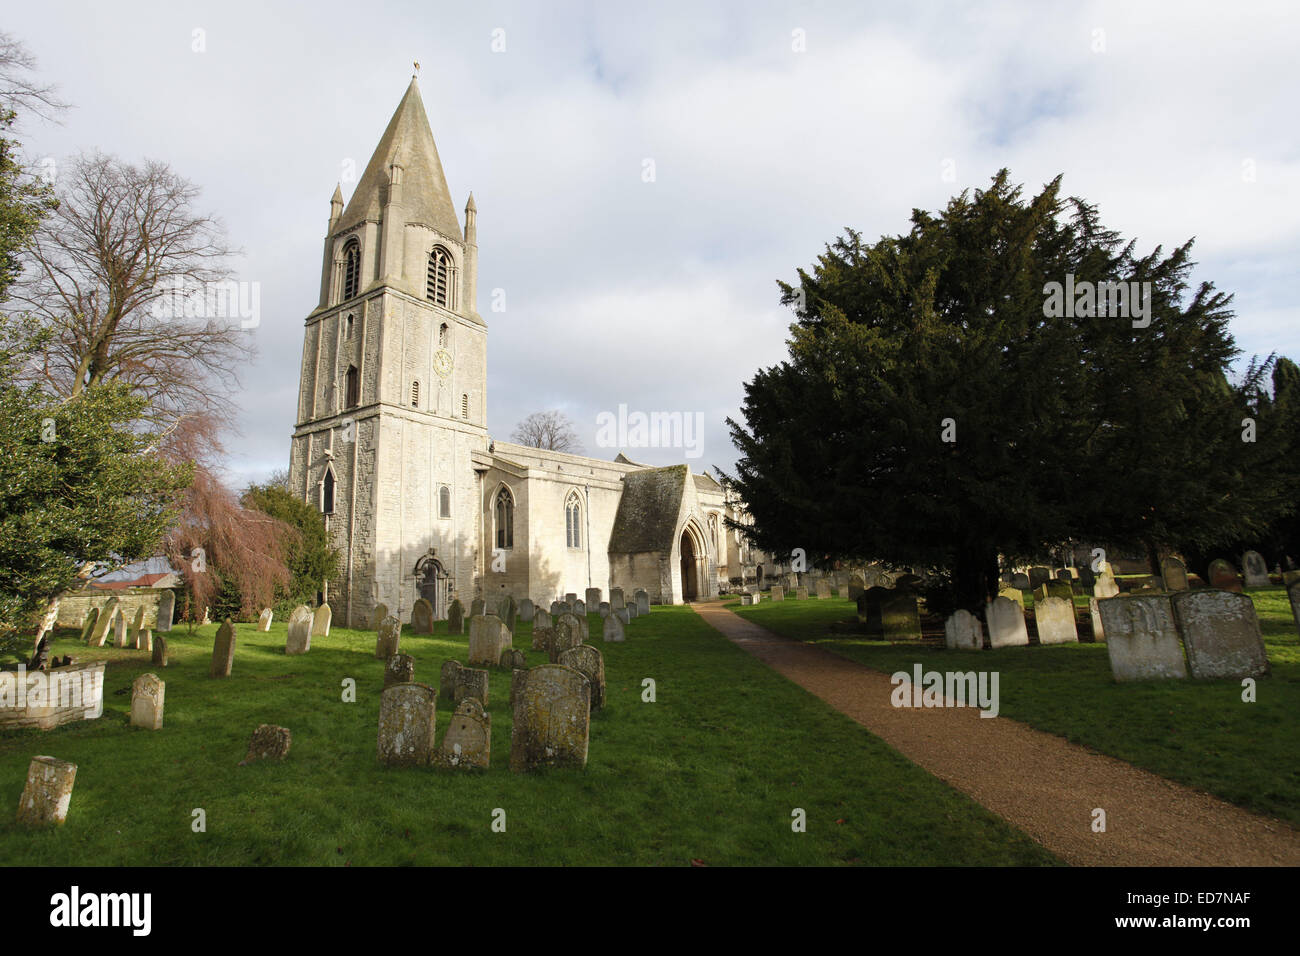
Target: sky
column 770, row 128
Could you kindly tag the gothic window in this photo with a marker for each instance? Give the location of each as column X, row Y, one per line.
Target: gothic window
column 442, row 336
column 354, row 388
column 444, row 502
column 415, row 394
column 327, row 492
column 351, row 268
column 464, row 407
column 573, row 521
column 505, row 519
column 713, row 530
column 440, row 282
column 349, row 331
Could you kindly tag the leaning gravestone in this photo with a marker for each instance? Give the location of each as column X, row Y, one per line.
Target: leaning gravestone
column 509, row 611
column 422, row 617
column 642, row 602
column 456, row 617
column 1094, row 612
column 135, row 638
column 147, row 693
column 47, row 793
column 378, row 614
column 616, row 599
column 119, row 629
column 159, row 651
column 526, row 610
column 1221, row 633
column 389, row 639
column 1013, row 593
column 298, row 634
column 900, row 618
column 320, row 621
column 591, row 662
column 468, row 741
column 963, row 632
column 1224, row 576
column 624, row 614
column 400, row 669
column 1054, row 620
column 1173, row 574
column 223, row 651
column 613, row 631
column 488, row 637
column 1141, row 638
column 1006, row 623
column 264, row 620
column 89, row 627
column 552, row 718
column 581, row 621
column 166, row 610
column 568, row 633
column 1256, row 569
column 407, row 721
column 268, row 742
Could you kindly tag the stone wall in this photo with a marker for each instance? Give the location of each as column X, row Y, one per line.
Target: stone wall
column 75, row 605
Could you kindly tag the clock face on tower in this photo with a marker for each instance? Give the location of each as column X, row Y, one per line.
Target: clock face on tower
column 442, row 363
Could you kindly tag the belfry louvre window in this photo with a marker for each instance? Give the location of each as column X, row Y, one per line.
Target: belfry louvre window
column 464, row 406
column 505, row 515
column 573, row 522
column 351, row 269
column 415, row 394
column 353, row 387
column 441, row 282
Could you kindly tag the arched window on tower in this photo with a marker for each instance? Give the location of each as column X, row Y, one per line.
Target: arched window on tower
column 353, row 387
column 573, row 521
column 327, row 491
column 440, row 284
column 349, row 332
column 444, row 502
column 505, row 519
column 351, row 269
column 442, row 336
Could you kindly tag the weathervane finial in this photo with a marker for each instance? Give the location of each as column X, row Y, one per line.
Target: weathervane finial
column 417, row 70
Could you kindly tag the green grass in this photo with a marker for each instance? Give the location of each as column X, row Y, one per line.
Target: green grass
column 710, row 771
column 1199, row 733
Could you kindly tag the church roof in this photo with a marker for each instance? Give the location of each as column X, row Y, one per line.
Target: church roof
column 408, row 141
column 648, row 510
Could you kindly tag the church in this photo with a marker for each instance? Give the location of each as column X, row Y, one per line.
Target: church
column 391, row 441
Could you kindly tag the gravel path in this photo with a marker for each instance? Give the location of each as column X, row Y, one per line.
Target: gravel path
column 1046, row 786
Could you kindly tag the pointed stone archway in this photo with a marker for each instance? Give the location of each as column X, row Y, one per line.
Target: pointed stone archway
column 689, row 570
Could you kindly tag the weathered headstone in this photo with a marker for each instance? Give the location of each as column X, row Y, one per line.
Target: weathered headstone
column 1006, row 623
column 298, row 634
column 527, row 610
column 400, row 669
column 1173, row 574
column 870, row 603
column 746, row 599
column 1087, row 577
column 823, row 590
column 264, row 620
column 135, row 637
column 580, row 607
column 857, row 585
column 488, row 637
column 159, row 650
column 223, row 651
column 542, row 619
column 632, row 611
column 613, row 630
column 512, row 658
column 508, row 612
column 963, row 632
column 801, row 594
column 166, row 610
column 1094, row 612
column 468, row 741
column 616, row 599
column 1014, row 593
column 447, row 679
column 1255, row 569
column 1054, row 620
column 456, row 617
column 592, row 597
column 568, row 633
column 552, row 718
column 1038, row 576
column 642, row 602
column 558, row 608
column 1220, row 631
column 89, row 627
column 571, row 598
column 147, row 693
column 119, row 628
column 1224, row 576
column 542, row 638
column 624, row 614
column 477, row 607
column 407, row 722
column 389, row 639
column 603, row 609
column 1105, row 585
column 777, row 593
column 378, row 614
column 900, row 618
column 1057, row 589
column 268, row 742
column 1020, row 581
column 422, row 617
column 47, row 793
column 591, row 662
column 583, row 626
column 1141, row 638
column 320, row 621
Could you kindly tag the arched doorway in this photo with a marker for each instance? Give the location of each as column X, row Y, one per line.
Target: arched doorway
column 433, row 583
column 690, row 580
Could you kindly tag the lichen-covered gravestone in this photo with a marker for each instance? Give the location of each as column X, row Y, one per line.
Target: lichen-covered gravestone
column 542, row 638
column 320, row 621
column 147, row 693
column 135, row 635
column 89, row 627
column 422, row 617
column 166, row 610
column 48, row 792
column 1013, row 593
column 1054, row 620
column 159, row 658
column 471, row 682
column 777, row 592
column 1141, row 637
column 223, row 651
column 580, row 607
column 963, row 632
column 511, row 659
column 1173, row 574
column 407, row 721
column 468, row 741
column 268, row 742
column 900, row 618
column 488, row 637
column 616, row 599
column 477, row 607
column 1006, row 624
column 591, row 662
column 557, row 608
column 388, row 641
column 298, row 634
column 552, row 718
column 567, row 634
column 857, row 584
column 456, row 617
column 592, row 596
column 542, row 619
column 400, row 669
column 378, row 614
column 264, row 620
column 119, row 628
column 1224, row 576
column 1221, row 633
column 613, row 631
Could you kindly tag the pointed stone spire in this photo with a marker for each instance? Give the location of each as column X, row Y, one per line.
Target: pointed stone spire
column 408, row 143
column 336, row 206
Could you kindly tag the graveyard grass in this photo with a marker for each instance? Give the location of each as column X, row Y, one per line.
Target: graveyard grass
column 1197, row 732
column 709, row 772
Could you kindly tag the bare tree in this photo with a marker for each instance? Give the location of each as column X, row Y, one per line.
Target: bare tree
column 551, row 430
column 20, row 93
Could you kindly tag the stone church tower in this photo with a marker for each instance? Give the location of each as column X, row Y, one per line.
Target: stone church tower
column 392, row 395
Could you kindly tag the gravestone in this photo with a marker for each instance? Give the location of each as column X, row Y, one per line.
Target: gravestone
column 488, row 637
column 378, row 614
column 1141, row 637
column 963, row 632
column 320, row 621
column 857, row 585
column 823, row 590
column 542, row 638
column 642, row 602
column 900, row 618
column 1173, row 574
column 264, row 620
column 1013, row 593
column 147, row 693
column 583, row 627
column 88, row 628
column 47, row 793
column 1064, row 574
column 1293, row 595
column 422, row 617
column 136, row 636
column 552, row 718
column 1056, row 589
column 1087, row 577
column 1020, row 581
column 400, row 669
column 469, row 682
column 1038, row 576
column 1255, row 569
column 632, row 611
column 590, row 662
column 456, row 617
column 568, row 633
column 166, row 610
column 298, row 634
column 268, row 742
column 508, row 612
column 447, row 679
column 468, row 741
column 407, row 721
column 580, row 608
column 593, row 597
column 119, row 628
column 477, row 607
column 389, row 639
column 571, row 599
column 613, row 630
column 557, row 609
column 1105, row 586
column 746, row 599
column 777, row 593
column 1220, row 631
column 1223, row 576
column 603, row 609
column 1006, row 624
column 1054, row 620
column 159, row 651
column 801, row 594
column 1098, row 631
column 870, row 603
column 616, row 599
column 624, row 614
column 542, row 619
column 223, row 651
column 526, row 610
column 512, row 658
